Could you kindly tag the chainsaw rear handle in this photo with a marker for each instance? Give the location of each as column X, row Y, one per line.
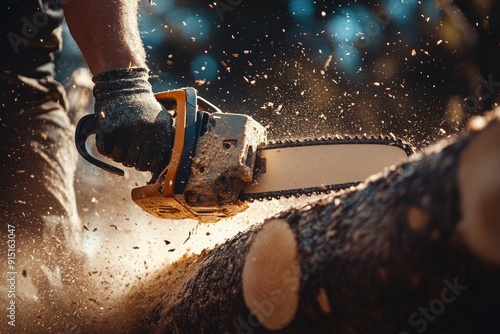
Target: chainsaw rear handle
column 185, row 99
column 86, row 127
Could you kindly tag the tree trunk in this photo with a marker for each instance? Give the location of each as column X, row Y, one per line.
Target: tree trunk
column 413, row 249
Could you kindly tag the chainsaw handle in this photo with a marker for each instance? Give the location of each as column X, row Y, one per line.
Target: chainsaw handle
column 209, row 106
column 185, row 99
column 86, row 127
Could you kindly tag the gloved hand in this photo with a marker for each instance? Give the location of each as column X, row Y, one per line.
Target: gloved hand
column 132, row 126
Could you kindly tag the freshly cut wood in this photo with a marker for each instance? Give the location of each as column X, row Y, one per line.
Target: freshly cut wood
column 479, row 183
column 271, row 273
column 413, row 249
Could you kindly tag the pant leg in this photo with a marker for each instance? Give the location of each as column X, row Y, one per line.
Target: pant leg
column 37, row 166
column 38, row 162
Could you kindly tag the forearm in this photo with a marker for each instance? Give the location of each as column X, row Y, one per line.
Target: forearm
column 107, row 33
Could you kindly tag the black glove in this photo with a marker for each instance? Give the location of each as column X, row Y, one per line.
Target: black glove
column 132, row 126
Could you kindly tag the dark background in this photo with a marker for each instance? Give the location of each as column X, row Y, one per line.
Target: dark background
column 411, row 68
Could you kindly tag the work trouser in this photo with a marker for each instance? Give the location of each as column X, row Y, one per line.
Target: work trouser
column 37, row 207
column 41, row 263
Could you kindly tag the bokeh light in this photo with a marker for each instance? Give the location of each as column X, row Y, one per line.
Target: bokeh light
column 401, row 11
column 301, row 9
column 204, row 68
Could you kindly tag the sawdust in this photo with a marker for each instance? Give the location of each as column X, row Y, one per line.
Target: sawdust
column 135, row 259
column 132, row 312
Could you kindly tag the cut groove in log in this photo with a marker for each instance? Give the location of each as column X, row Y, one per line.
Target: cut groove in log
column 271, row 275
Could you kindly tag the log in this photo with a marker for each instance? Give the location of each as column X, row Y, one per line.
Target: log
column 413, row 249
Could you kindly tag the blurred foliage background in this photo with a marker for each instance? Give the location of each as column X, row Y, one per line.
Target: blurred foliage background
column 305, row 68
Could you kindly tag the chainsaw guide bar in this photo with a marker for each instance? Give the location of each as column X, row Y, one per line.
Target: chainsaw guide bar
column 330, row 159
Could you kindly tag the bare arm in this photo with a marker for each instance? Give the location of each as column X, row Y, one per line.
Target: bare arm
column 107, row 33
column 131, row 126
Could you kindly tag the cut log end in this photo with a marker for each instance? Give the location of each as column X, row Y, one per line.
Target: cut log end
column 479, row 185
column 271, row 275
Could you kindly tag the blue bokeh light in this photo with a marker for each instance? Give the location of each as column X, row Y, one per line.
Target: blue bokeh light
column 163, row 7
column 344, row 28
column 351, row 30
column 301, row 9
column 350, row 24
column 152, row 31
column 204, row 67
column 195, row 26
column 347, row 57
column 430, row 9
column 400, row 11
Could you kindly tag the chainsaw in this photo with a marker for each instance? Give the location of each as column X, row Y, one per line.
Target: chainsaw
column 221, row 161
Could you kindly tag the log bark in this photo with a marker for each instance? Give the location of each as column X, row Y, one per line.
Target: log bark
column 413, row 249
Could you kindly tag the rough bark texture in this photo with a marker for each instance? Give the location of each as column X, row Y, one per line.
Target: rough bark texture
column 384, row 257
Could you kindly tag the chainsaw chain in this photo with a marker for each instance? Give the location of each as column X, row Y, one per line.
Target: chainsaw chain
column 390, row 139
